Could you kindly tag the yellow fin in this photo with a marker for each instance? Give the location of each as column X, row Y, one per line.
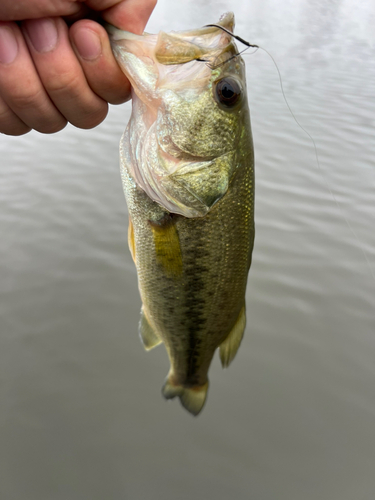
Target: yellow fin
column 131, row 241
column 147, row 334
column 167, row 245
column 229, row 348
column 192, row 398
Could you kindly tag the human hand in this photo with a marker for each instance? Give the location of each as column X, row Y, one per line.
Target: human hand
column 51, row 74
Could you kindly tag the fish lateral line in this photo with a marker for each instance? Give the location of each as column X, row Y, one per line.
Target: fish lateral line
column 248, row 45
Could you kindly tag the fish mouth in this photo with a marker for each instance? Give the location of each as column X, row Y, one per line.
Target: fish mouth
column 148, row 59
column 170, row 48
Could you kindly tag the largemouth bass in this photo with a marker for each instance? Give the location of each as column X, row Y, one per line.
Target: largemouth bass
column 187, row 168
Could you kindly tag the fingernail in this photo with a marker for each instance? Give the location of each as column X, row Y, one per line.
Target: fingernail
column 8, row 45
column 88, row 44
column 42, row 34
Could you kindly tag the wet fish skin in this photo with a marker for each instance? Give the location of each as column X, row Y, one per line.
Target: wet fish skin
column 193, row 256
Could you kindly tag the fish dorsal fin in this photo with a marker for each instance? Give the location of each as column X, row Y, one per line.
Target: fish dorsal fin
column 229, row 348
column 147, row 334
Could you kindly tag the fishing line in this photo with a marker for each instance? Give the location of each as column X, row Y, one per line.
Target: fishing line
column 248, row 45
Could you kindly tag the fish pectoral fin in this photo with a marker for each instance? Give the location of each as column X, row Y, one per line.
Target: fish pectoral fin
column 191, row 398
column 167, row 245
column 131, row 241
column 229, row 348
column 149, row 338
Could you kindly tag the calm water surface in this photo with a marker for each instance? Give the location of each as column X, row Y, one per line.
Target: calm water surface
column 81, row 415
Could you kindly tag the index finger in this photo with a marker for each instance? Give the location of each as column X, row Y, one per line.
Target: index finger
column 17, row 11
column 129, row 15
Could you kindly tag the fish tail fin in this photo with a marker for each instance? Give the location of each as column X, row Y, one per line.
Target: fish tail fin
column 192, row 398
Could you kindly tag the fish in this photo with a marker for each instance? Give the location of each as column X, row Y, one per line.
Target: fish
column 187, row 168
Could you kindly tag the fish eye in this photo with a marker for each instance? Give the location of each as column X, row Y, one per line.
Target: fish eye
column 227, row 91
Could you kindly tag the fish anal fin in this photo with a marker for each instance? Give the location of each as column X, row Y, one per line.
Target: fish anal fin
column 147, row 334
column 229, row 347
column 167, row 245
column 191, row 398
column 131, row 241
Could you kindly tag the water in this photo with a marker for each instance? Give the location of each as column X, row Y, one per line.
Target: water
column 81, row 413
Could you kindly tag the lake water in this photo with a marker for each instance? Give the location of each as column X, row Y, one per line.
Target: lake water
column 293, row 418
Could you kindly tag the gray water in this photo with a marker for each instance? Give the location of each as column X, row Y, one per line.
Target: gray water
column 81, row 415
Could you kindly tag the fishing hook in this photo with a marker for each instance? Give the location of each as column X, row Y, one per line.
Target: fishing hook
column 232, row 35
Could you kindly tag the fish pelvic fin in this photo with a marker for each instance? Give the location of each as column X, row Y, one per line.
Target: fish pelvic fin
column 149, row 338
column 131, row 241
column 229, row 348
column 191, row 398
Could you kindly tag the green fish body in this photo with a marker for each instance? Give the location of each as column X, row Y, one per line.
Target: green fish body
column 187, row 168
